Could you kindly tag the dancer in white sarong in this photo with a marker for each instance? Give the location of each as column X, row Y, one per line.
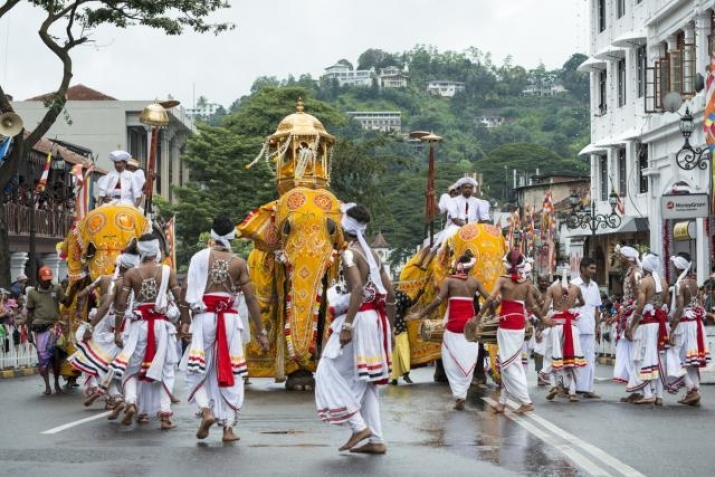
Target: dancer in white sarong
column 459, row 356
column 146, row 362
column 214, row 362
column 687, row 336
column 647, row 332
column 516, row 302
column 566, row 355
column 622, row 366
column 356, row 357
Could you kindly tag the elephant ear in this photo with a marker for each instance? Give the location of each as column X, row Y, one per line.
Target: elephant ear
column 259, row 226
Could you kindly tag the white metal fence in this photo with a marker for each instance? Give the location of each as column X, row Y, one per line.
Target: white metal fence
column 14, row 356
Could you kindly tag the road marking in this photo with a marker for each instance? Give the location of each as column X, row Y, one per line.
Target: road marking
column 599, row 454
column 580, row 460
column 64, row 427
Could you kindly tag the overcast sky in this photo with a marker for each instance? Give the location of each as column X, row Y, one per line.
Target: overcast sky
column 282, row 37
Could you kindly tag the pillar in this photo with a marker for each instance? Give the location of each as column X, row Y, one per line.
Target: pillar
column 18, row 260
column 52, row 261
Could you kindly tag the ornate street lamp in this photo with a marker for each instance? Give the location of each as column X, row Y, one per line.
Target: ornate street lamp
column 590, row 219
column 689, row 158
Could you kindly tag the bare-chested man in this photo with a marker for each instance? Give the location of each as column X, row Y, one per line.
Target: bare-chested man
column 631, row 266
column 516, row 301
column 566, row 354
column 647, row 332
column 459, row 356
column 150, row 352
column 356, row 357
column 215, row 362
column 687, row 334
column 541, row 334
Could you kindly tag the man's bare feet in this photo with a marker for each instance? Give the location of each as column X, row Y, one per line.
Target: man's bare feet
column 129, row 412
column 691, row 399
column 633, row 397
column 552, row 393
column 659, row 402
column 356, row 438
column 591, row 395
column 58, row 389
column 91, row 398
column 459, row 405
column 229, row 436
column 118, row 407
column 47, row 392
column 166, row 423
column 573, row 398
column 525, row 408
column 499, row 408
column 644, row 400
column 143, row 419
column 207, row 420
column 371, row 448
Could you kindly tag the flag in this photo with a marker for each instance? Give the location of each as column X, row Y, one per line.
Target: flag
column 4, row 147
column 45, row 174
column 169, row 234
column 709, row 122
column 83, row 190
column 620, row 206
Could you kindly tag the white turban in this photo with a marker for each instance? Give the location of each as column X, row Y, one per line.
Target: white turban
column 651, row 264
column 149, row 249
column 116, row 156
column 681, row 264
column 466, row 180
column 630, row 254
column 356, row 228
column 224, row 240
column 128, row 260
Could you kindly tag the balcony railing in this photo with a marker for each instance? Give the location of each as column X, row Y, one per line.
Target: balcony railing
column 49, row 223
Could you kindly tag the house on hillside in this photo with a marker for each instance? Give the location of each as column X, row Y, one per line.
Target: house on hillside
column 103, row 124
column 490, row 121
column 445, row 88
column 347, row 76
column 378, row 120
column 393, row 77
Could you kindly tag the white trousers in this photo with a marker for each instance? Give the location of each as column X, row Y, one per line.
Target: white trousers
column 585, row 375
column 513, row 376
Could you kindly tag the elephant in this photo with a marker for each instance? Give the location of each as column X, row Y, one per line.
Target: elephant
column 487, row 245
column 297, row 240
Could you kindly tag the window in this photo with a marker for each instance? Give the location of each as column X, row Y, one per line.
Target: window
column 674, row 71
column 602, row 98
column 621, row 82
column 603, row 169
column 601, row 15
column 620, row 8
column 641, row 61
column 622, row 178
column 642, row 166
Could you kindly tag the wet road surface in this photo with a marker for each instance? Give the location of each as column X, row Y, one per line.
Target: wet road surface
column 281, row 435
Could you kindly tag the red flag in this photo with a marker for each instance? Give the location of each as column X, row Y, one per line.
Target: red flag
column 709, row 120
column 45, row 174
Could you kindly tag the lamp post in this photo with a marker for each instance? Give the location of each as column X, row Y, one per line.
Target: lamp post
column 430, row 194
column 590, row 219
column 688, row 158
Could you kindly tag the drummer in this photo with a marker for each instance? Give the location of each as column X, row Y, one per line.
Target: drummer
column 459, row 356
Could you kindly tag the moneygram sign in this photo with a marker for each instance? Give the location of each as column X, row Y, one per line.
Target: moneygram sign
column 685, row 206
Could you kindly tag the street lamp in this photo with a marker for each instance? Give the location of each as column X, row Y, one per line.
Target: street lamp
column 590, row 219
column 689, row 158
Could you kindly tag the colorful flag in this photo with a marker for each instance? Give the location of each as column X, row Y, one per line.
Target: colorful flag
column 45, row 174
column 169, row 234
column 620, row 206
column 4, row 147
column 709, row 122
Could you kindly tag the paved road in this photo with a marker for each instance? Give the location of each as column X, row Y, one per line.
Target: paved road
column 281, row 435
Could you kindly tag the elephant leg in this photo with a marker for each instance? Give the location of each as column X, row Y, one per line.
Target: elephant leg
column 300, row 380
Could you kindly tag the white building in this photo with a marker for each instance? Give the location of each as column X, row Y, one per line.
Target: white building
column 490, row 121
column 378, row 120
column 445, row 88
column 346, row 75
column 104, row 124
column 203, row 111
column 393, row 77
column 640, row 51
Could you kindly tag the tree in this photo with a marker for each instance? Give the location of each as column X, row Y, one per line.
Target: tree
column 576, row 82
column 68, row 24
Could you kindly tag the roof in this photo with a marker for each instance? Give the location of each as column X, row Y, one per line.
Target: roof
column 45, row 145
column 77, row 92
column 379, row 241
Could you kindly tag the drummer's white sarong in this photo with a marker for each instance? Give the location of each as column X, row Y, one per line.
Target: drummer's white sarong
column 459, row 358
column 512, row 371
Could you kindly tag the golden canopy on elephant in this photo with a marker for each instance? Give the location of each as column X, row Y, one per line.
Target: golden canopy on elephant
column 297, row 239
column 488, row 247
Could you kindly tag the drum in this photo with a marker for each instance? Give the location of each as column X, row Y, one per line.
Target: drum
column 431, row 331
column 485, row 333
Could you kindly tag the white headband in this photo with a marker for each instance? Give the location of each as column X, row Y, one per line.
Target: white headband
column 356, row 228
column 681, row 263
column 630, row 254
column 224, row 240
column 128, row 260
column 149, row 249
column 650, row 263
column 461, row 266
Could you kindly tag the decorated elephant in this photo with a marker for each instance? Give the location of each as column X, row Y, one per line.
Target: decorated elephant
column 297, row 239
column 487, row 245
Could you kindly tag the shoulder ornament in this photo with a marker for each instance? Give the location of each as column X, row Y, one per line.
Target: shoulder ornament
column 348, row 259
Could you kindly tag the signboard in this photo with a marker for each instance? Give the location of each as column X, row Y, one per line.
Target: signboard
column 685, row 206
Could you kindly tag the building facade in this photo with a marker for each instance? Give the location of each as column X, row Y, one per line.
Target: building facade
column 378, row 120
column 445, row 88
column 640, row 51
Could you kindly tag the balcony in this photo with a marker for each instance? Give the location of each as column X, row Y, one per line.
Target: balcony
column 50, row 224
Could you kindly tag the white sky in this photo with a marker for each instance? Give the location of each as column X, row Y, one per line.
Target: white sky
column 282, row 37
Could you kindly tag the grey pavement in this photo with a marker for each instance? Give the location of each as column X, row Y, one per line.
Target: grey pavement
column 281, row 435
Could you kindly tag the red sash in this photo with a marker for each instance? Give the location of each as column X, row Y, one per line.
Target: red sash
column 379, row 306
column 660, row 317
column 149, row 315
column 566, row 318
column 699, row 313
column 512, row 315
column 221, row 305
column 460, row 311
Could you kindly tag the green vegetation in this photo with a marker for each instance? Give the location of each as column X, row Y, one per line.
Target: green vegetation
column 385, row 171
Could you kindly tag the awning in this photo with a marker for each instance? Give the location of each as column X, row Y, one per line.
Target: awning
column 592, row 63
column 592, row 149
column 609, row 53
column 627, row 136
column 631, row 39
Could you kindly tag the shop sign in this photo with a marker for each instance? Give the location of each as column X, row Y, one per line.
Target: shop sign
column 685, row 206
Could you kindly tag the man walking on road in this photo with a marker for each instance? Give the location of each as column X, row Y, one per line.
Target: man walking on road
column 588, row 326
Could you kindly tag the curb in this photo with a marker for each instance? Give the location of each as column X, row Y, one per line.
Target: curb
column 18, row 373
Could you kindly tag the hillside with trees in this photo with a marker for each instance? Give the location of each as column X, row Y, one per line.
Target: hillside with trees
column 386, row 171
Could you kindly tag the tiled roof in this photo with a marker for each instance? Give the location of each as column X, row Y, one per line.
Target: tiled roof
column 78, row 92
column 379, row 241
column 44, row 146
